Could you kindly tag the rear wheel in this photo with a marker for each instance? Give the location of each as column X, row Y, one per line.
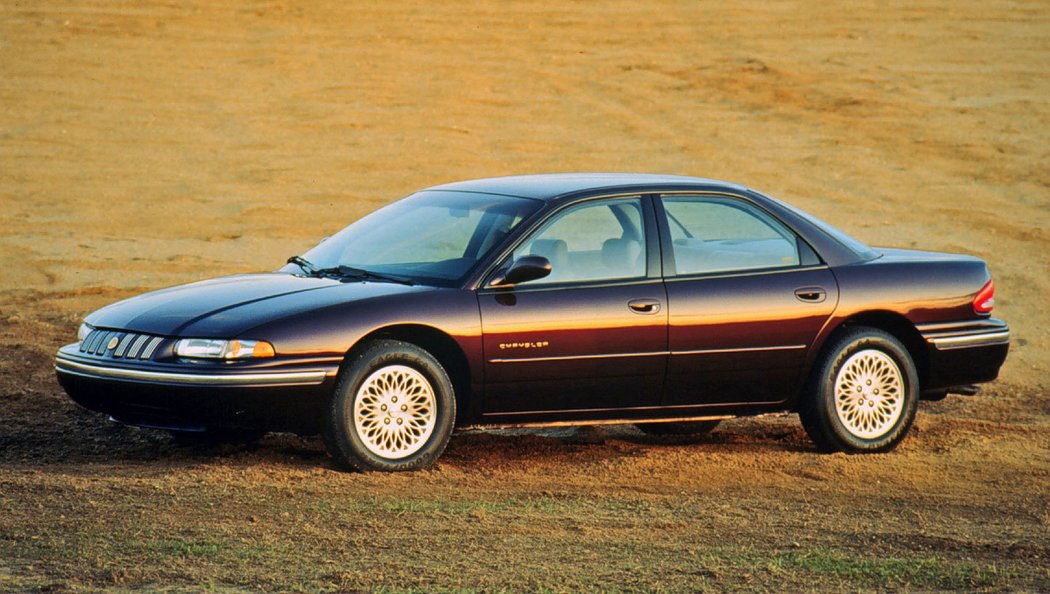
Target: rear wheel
column 393, row 409
column 863, row 395
column 679, row 428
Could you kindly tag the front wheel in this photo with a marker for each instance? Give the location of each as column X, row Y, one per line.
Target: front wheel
column 863, row 395
column 393, row 409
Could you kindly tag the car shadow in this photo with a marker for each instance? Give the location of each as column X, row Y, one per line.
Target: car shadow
column 72, row 436
column 484, row 446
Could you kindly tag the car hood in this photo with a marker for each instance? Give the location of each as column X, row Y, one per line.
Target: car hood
column 226, row 307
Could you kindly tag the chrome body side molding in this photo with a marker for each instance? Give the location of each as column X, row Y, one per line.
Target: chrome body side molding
column 792, row 347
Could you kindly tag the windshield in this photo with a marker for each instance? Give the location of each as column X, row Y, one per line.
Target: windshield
column 433, row 236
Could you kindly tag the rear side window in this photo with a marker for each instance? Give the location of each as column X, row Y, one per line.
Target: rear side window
column 712, row 234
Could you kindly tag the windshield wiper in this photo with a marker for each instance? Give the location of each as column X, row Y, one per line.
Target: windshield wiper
column 345, row 272
column 349, row 272
column 303, row 263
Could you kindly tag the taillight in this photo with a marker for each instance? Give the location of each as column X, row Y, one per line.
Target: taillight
column 984, row 301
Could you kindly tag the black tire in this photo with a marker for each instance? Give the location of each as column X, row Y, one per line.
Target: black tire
column 871, row 420
column 350, row 443
column 679, row 428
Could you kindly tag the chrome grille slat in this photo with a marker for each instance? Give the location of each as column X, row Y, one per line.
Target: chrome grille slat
column 140, row 340
column 92, row 341
column 86, row 345
column 152, row 346
column 130, row 345
column 101, row 348
column 123, row 346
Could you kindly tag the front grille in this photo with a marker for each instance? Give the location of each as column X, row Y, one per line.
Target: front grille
column 120, row 345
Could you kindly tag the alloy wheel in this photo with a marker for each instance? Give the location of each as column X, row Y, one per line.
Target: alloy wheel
column 869, row 394
column 395, row 411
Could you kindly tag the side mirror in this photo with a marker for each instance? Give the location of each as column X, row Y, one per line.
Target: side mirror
column 523, row 269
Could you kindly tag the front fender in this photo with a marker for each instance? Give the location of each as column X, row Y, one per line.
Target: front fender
column 334, row 329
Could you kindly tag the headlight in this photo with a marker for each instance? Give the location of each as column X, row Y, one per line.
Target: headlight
column 213, row 348
column 83, row 331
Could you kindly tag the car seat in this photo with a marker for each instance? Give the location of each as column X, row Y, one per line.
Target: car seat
column 621, row 257
column 555, row 250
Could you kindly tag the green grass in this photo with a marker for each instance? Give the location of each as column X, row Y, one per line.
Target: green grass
column 371, row 533
column 190, row 549
column 455, row 508
column 889, row 572
column 601, row 563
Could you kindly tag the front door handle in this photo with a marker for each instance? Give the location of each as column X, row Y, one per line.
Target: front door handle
column 811, row 294
column 644, row 306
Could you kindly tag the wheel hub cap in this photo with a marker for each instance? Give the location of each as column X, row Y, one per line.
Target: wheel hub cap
column 395, row 411
column 869, row 394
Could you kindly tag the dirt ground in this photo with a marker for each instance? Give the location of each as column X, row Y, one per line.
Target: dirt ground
column 148, row 144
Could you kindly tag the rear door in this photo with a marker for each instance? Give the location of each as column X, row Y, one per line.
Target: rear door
column 746, row 299
column 590, row 337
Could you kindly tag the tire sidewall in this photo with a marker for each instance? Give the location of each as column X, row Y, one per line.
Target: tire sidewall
column 340, row 432
column 849, row 345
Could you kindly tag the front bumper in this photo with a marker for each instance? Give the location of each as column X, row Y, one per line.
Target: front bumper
column 962, row 353
column 275, row 394
column 191, row 378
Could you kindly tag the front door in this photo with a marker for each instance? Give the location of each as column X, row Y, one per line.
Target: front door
column 590, row 337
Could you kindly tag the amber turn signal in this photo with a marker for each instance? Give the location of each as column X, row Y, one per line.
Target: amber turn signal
column 211, row 348
column 262, row 349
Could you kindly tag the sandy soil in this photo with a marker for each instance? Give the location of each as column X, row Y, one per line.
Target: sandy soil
column 149, row 144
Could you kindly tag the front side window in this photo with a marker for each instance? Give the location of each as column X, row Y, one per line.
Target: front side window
column 593, row 241
column 717, row 234
column 432, row 236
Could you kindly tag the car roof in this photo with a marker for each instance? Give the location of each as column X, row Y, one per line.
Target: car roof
column 553, row 185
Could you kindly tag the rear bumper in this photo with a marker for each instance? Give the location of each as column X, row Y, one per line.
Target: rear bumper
column 962, row 353
column 286, row 395
column 963, row 335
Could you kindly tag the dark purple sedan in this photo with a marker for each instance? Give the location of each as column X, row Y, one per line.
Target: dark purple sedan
column 571, row 299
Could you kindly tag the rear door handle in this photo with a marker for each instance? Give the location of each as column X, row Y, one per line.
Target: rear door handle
column 644, row 306
column 811, row 294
